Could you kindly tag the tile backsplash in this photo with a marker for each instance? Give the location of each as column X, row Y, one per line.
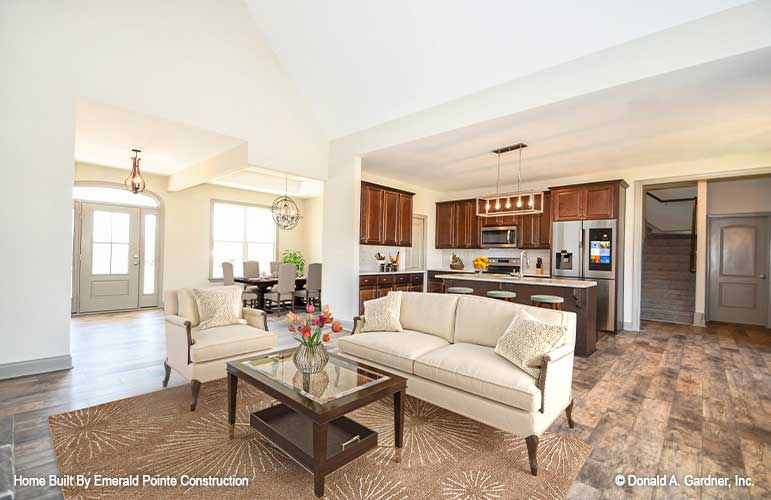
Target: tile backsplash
column 468, row 257
column 367, row 262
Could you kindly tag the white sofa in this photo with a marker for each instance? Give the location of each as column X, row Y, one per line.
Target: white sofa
column 446, row 351
column 202, row 355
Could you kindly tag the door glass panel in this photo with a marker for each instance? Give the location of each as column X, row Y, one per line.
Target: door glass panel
column 148, row 279
column 119, row 260
column 102, row 227
column 118, row 196
column 120, row 227
column 100, row 258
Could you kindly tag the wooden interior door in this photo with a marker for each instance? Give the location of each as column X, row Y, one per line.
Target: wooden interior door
column 738, row 270
column 109, row 258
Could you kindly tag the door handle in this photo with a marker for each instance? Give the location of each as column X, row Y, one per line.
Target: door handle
column 763, row 276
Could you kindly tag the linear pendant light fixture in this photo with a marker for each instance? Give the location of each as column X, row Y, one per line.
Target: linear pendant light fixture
column 525, row 202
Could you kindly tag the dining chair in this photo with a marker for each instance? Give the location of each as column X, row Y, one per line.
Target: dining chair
column 229, row 279
column 274, row 265
column 284, row 289
column 312, row 288
column 251, row 270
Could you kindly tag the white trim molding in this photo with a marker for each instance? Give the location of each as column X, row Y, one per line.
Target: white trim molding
column 35, row 366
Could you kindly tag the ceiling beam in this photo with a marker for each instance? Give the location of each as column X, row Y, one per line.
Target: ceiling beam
column 218, row 166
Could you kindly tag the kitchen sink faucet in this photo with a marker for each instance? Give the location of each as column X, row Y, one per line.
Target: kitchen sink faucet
column 522, row 263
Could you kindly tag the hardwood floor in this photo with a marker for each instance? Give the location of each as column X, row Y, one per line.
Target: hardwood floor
column 669, row 399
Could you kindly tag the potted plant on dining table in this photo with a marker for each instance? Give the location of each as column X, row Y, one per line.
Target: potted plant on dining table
column 309, row 330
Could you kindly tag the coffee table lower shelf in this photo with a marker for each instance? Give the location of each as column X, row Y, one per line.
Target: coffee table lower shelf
column 342, row 440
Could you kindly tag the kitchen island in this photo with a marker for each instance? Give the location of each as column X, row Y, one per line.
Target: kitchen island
column 580, row 297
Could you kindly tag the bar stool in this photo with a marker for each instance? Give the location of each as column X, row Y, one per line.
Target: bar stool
column 548, row 301
column 502, row 294
column 463, row 290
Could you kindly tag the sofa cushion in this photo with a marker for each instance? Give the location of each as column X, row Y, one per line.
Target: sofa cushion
column 382, row 315
column 478, row 370
column 481, row 320
column 397, row 350
column 441, row 320
column 225, row 341
column 527, row 340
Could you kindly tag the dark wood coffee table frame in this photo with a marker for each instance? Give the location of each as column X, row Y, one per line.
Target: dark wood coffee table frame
column 319, row 436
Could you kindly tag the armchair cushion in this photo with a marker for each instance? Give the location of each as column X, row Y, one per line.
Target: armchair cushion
column 527, row 340
column 218, row 306
column 226, row 341
column 478, row 370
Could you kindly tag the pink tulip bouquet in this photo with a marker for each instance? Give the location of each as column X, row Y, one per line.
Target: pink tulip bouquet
column 309, row 329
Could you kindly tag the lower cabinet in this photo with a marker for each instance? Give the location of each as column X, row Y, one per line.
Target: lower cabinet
column 378, row 285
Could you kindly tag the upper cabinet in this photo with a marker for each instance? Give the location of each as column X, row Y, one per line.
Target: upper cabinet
column 597, row 200
column 457, row 225
column 385, row 216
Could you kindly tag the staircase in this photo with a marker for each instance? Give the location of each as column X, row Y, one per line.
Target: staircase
column 668, row 285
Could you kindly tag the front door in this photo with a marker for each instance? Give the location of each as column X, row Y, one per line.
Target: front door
column 109, row 258
column 738, row 270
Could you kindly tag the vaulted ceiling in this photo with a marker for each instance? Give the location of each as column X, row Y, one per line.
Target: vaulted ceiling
column 362, row 63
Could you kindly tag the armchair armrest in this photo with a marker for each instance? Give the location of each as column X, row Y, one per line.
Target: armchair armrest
column 556, row 377
column 180, row 322
column 358, row 324
column 256, row 318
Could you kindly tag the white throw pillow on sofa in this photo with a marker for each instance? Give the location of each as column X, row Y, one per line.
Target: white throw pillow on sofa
column 527, row 339
column 219, row 306
column 382, row 315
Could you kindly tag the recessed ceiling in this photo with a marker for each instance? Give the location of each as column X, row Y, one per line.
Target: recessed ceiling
column 363, row 63
column 269, row 181
column 715, row 109
column 105, row 135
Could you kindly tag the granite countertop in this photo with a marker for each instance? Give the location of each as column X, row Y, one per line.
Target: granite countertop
column 378, row 273
column 505, row 278
column 469, row 270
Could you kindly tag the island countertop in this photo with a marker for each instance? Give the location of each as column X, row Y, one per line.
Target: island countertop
column 505, row 278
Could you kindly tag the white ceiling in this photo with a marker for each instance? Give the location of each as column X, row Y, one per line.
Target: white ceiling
column 105, row 135
column 361, row 63
column 715, row 109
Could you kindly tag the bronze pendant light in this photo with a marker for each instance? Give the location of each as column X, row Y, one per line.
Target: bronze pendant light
column 135, row 182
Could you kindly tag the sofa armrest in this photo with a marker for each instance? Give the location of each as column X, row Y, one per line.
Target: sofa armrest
column 176, row 327
column 556, row 379
column 256, row 318
column 358, row 324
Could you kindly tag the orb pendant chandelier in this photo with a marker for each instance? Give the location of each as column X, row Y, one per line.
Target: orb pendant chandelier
column 286, row 215
column 135, row 182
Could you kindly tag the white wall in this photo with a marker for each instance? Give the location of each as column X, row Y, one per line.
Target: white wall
column 198, row 62
column 740, row 196
column 669, row 217
column 187, row 223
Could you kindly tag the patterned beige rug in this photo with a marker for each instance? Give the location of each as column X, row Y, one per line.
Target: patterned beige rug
column 445, row 456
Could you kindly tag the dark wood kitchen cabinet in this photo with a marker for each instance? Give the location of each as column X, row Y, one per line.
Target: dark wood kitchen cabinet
column 373, row 286
column 597, row 200
column 385, row 216
column 457, row 225
column 535, row 229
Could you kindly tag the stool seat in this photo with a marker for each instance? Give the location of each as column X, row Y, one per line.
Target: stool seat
column 501, row 294
column 552, row 301
column 460, row 289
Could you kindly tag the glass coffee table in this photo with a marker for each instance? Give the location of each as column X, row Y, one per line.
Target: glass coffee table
column 308, row 422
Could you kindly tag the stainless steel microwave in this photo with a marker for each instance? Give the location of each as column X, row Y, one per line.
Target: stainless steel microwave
column 500, row 237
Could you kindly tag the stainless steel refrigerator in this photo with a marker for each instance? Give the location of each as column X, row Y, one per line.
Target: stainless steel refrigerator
column 588, row 250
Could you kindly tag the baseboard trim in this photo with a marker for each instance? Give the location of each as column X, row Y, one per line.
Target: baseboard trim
column 699, row 319
column 35, row 366
column 628, row 326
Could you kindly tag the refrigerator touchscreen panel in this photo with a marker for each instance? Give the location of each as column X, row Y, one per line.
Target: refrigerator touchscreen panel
column 600, row 241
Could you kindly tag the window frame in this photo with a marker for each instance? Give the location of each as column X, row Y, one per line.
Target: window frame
column 244, row 241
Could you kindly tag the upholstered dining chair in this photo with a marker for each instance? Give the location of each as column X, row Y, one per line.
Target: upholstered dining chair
column 284, row 290
column 274, row 265
column 228, row 280
column 251, row 270
column 312, row 288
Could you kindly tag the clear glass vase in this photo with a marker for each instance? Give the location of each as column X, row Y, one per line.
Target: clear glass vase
column 310, row 358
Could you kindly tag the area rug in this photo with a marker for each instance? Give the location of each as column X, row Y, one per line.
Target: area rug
column 445, row 456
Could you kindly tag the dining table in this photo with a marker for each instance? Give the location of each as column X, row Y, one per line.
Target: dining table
column 263, row 284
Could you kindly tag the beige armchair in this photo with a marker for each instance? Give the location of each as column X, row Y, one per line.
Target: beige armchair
column 202, row 355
